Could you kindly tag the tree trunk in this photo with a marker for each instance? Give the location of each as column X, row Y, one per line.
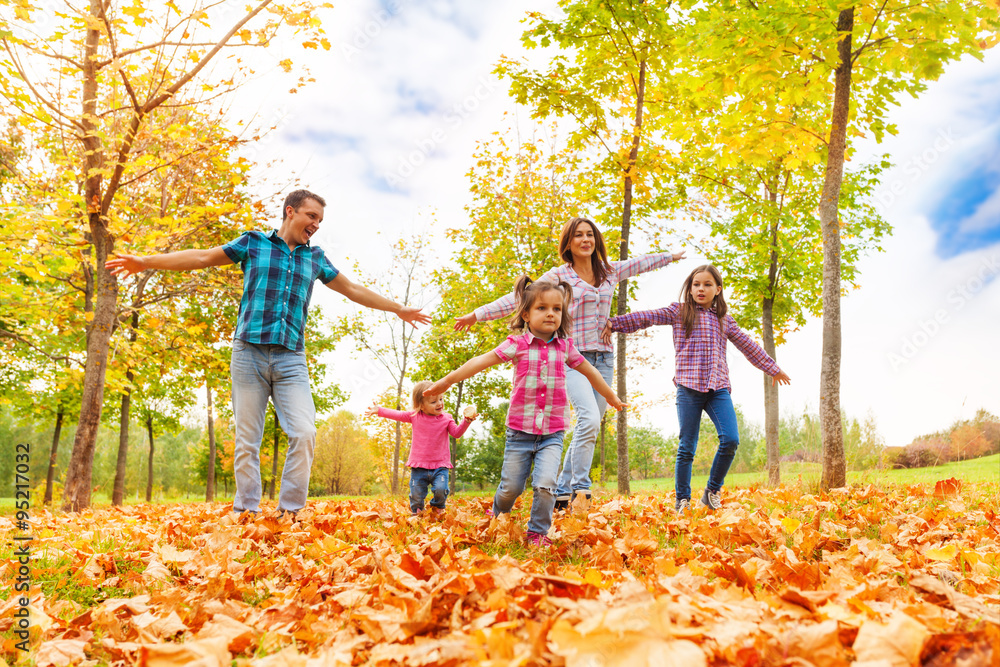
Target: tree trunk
column 623, row 467
column 453, row 442
column 149, row 471
column 767, row 330
column 210, row 475
column 604, row 422
column 121, row 466
column 78, row 474
column 834, row 464
column 50, row 477
column 274, row 458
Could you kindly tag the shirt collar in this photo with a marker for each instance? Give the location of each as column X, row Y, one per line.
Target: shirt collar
column 528, row 336
column 274, row 238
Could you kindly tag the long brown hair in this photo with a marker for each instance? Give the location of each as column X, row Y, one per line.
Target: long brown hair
column 599, row 258
column 528, row 290
column 689, row 309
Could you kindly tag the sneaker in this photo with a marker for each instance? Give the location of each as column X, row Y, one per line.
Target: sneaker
column 289, row 513
column 711, row 500
column 537, row 539
column 562, row 504
column 682, row 506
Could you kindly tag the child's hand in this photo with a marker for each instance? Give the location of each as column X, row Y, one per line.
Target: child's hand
column 606, row 333
column 372, row 410
column 438, row 388
column 465, row 321
column 470, row 413
column 781, row 378
column 617, row 404
column 677, row 256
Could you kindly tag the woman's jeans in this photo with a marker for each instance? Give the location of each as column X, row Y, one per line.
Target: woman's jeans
column 519, row 452
column 260, row 372
column 718, row 404
column 589, row 407
column 420, row 479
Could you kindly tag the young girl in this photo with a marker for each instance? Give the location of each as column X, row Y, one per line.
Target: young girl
column 430, row 455
column 539, row 409
column 701, row 327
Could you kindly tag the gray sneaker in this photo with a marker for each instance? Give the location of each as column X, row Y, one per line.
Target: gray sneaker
column 711, row 500
column 682, row 506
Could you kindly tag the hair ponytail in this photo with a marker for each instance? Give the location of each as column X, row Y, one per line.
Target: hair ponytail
column 527, row 292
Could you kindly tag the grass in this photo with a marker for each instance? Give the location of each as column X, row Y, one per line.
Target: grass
column 985, row 469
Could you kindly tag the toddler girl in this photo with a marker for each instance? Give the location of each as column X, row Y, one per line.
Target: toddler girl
column 539, row 409
column 430, row 455
column 701, row 328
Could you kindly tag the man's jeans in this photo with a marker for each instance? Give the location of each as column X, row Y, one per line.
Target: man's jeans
column 260, row 372
column 520, row 451
column 420, row 479
column 589, row 407
column 718, row 404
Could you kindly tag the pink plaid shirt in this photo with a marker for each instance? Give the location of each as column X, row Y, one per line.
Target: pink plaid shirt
column 591, row 305
column 539, row 404
column 430, row 447
column 700, row 361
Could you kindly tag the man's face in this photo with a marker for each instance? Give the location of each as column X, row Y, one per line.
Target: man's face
column 302, row 224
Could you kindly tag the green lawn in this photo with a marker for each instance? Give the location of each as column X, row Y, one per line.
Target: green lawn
column 986, row 469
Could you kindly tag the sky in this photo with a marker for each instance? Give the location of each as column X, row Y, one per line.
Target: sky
column 387, row 131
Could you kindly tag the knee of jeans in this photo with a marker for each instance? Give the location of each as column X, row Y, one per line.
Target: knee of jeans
column 685, row 455
column 545, row 489
column 729, row 445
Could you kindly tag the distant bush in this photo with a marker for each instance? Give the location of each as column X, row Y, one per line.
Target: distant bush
column 967, row 439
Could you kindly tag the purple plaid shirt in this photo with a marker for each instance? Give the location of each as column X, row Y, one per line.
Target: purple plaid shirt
column 539, row 404
column 591, row 305
column 700, row 361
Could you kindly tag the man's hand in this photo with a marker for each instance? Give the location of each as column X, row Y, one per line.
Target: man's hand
column 465, row 321
column 125, row 265
column 413, row 316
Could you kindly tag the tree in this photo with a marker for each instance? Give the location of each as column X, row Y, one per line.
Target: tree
column 343, row 463
column 619, row 51
column 96, row 97
column 404, row 283
column 900, row 46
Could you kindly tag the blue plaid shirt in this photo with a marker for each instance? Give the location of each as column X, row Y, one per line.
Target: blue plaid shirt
column 277, row 286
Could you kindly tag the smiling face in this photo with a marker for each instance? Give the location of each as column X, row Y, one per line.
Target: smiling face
column 582, row 243
column 300, row 226
column 704, row 288
column 545, row 315
column 432, row 405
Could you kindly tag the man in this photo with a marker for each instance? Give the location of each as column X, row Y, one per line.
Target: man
column 269, row 360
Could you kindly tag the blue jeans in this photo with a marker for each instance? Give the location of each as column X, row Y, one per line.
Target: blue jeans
column 589, row 407
column 519, row 452
column 260, row 372
column 420, row 479
column 718, row 404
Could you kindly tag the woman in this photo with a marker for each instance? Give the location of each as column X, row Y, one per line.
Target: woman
column 593, row 279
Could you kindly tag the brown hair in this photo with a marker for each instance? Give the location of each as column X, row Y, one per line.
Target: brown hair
column 297, row 198
column 418, row 393
column 527, row 292
column 689, row 309
column 598, row 260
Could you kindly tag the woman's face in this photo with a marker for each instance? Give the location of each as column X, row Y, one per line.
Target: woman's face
column 583, row 242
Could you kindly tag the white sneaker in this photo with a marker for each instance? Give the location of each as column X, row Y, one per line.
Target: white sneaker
column 682, row 506
column 711, row 500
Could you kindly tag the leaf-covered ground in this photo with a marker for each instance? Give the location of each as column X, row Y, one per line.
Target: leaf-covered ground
column 870, row 576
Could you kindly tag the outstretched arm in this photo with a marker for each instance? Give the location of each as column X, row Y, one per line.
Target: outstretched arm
column 363, row 296
column 182, row 260
column 494, row 310
column 587, row 370
column 467, row 370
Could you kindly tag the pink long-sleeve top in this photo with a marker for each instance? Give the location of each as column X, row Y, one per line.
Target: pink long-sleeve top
column 429, row 448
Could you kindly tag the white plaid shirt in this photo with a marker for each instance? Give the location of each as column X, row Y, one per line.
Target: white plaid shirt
column 591, row 305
